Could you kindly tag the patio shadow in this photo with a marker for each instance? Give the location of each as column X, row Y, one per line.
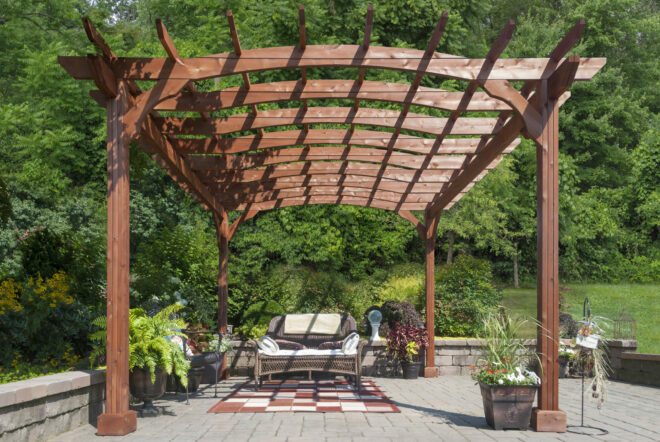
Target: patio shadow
column 448, row 417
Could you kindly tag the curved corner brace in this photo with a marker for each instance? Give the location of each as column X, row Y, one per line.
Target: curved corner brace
column 502, row 89
column 146, row 101
column 421, row 228
column 246, row 215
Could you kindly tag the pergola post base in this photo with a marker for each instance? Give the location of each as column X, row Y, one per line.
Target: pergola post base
column 549, row 420
column 430, row 372
column 117, row 424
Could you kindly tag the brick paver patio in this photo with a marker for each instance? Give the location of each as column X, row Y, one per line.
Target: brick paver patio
column 445, row 408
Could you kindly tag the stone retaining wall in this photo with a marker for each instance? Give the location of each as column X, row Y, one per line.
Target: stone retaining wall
column 455, row 356
column 452, row 357
column 40, row 408
column 630, row 366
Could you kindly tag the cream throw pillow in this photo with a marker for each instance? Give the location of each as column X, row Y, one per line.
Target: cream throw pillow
column 268, row 345
column 349, row 347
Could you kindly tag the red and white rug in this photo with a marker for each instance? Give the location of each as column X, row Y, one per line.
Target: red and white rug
column 310, row 396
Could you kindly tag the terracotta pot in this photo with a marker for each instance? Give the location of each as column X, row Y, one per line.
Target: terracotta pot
column 508, row 406
column 411, row 369
column 141, row 387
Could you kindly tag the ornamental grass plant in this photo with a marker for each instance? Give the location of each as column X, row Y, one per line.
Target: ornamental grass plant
column 504, row 355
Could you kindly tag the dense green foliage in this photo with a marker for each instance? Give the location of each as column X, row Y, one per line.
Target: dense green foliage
column 52, row 157
column 464, row 296
column 256, row 318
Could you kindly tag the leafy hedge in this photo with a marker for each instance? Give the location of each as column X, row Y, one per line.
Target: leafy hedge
column 464, row 295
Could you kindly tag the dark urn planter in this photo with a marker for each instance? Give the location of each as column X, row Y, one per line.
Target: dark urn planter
column 212, row 370
column 143, row 389
column 563, row 366
column 410, row 369
column 508, row 406
column 194, row 378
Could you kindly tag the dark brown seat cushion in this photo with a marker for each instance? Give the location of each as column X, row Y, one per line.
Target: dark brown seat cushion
column 331, row 345
column 289, row 345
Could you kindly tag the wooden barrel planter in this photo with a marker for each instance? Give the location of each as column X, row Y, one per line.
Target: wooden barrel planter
column 508, row 406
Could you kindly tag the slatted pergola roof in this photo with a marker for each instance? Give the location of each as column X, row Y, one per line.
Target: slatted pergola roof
column 401, row 160
column 382, row 167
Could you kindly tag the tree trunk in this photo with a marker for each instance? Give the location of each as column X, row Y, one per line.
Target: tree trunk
column 450, row 249
column 515, row 269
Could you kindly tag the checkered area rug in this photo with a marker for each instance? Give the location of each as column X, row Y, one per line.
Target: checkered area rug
column 314, row 396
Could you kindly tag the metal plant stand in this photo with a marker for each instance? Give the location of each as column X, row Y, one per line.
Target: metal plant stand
column 587, row 430
column 217, row 353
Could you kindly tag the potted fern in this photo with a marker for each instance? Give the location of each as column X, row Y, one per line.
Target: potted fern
column 152, row 353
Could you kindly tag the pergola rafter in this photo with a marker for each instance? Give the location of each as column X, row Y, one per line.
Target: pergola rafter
column 365, row 156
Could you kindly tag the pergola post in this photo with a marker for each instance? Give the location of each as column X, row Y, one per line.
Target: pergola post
column 548, row 417
column 431, row 224
column 117, row 420
column 222, row 229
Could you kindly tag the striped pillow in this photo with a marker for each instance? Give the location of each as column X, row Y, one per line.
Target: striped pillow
column 268, row 345
column 349, row 347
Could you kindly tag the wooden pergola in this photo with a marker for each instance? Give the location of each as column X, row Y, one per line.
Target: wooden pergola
column 401, row 161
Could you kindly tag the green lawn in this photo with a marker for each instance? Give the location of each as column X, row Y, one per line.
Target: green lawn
column 641, row 301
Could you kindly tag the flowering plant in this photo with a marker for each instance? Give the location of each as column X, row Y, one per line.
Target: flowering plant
column 404, row 342
column 567, row 351
column 504, row 354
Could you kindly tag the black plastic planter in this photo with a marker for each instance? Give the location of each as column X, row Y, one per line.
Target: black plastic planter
column 411, row 369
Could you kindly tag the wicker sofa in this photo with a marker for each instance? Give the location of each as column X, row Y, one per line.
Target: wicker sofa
column 311, row 359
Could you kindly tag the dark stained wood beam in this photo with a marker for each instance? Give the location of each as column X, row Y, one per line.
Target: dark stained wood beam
column 493, row 148
column 177, row 164
column 95, row 37
column 322, row 199
column 402, row 59
column 510, row 131
column 288, row 138
column 330, row 167
column 145, row 102
column 565, row 74
column 562, row 48
column 570, row 39
column 366, row 40
column 104, row 78
column 419, row 225
column 237, row 189
column 493, row 54
column 172, row 52
column 238, row 51
column 269, row 195
column 348, row 153
column 244, row 216
column 319, row 115
column 322, row 89
column 118, row 419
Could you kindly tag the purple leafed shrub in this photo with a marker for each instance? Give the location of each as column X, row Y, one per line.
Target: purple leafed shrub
column 399, row 339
